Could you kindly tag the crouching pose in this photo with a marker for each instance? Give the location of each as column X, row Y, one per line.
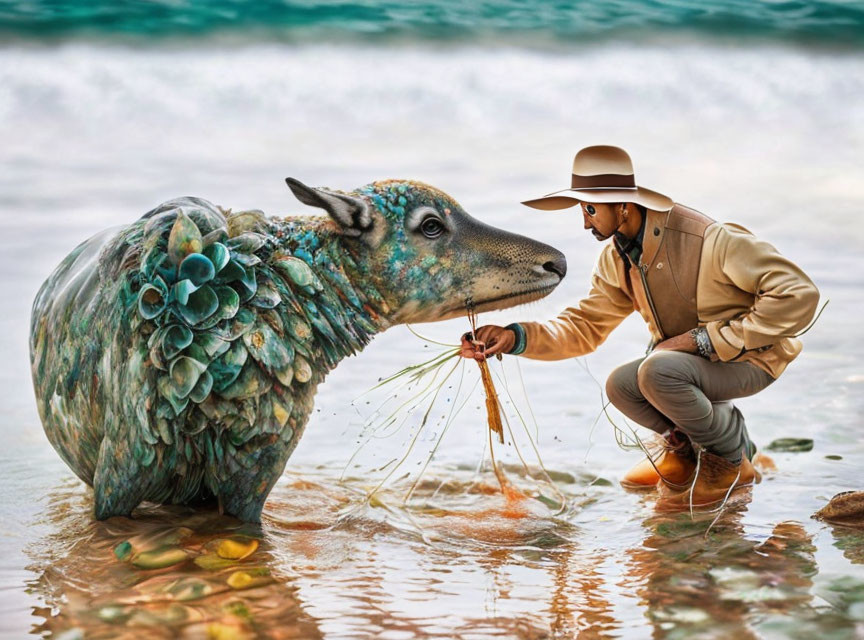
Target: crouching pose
column 722, row 306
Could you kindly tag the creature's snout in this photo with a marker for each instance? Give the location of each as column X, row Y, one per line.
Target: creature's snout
column 557, row 265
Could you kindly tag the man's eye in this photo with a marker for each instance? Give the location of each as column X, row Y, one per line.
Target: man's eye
column 591, row 210
column 431, row 227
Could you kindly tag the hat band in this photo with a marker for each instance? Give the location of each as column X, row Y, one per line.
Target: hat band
column 603, row 181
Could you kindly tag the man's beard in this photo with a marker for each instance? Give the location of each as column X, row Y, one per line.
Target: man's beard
column 599, row 236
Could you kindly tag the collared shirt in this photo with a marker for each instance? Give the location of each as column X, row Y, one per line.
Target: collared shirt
column 630, row 249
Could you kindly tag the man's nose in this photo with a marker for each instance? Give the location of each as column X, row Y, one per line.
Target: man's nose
column 585, row 220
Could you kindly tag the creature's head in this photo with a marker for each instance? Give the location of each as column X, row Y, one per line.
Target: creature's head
column 428, row 258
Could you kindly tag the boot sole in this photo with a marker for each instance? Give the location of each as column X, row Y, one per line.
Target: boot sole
column 636, row 486
column 670, row 504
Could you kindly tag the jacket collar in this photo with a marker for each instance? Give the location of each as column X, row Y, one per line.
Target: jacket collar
column 655, row 230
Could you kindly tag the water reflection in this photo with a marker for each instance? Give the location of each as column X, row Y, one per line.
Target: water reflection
column 460, row 560
column 850, row 540
column 169, row 571
column 324, row 561
column 709, row 576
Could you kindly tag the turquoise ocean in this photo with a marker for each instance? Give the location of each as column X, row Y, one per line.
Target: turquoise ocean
column 820, row 21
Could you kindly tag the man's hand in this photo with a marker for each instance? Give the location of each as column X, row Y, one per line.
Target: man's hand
column 684, row 342
column 488, row 341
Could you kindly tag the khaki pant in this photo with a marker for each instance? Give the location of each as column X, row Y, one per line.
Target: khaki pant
column 673, row 389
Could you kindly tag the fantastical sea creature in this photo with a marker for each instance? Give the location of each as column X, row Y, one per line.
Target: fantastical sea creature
column 176, row 359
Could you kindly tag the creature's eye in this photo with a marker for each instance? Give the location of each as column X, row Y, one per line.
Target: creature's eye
column 431, row 227
column 590, row 210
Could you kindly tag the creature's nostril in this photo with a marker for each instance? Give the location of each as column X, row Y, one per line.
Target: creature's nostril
column 557, row 266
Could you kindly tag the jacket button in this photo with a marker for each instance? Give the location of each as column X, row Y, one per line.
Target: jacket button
column 659, row 265
column 656, row 231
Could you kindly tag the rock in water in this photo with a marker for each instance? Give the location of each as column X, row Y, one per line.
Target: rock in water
column 844, row 508
column 791, row 444
column 176, row 359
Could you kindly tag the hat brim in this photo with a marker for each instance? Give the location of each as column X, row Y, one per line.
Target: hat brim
column 571, row 197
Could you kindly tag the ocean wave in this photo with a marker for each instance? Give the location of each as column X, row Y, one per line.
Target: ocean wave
column 538, row 21
column 371, row 90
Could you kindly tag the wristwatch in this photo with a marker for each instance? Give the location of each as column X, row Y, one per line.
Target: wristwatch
column 703, row 342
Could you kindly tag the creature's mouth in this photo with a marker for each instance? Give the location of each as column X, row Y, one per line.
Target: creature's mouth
column 512, row 300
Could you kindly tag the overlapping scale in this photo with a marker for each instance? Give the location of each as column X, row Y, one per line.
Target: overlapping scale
column 266, row 347
column 197, row 268
column 200, row 305
column 152, row 301
column 185, row 238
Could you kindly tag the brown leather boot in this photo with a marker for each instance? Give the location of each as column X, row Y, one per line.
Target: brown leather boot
column 674, row 464
column 716, row 478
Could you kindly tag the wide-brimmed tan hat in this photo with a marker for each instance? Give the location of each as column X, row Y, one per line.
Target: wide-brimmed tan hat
column 602, row 174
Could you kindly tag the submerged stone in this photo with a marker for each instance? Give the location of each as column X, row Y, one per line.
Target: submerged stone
column 187, row 589
column 160, row 558
column 123, row 550
column 249, row 578
column 791, row 444
column 115, row 614
column 212, row 562
column 236, row 548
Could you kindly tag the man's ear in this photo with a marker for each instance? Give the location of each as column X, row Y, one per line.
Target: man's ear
column 353, row 214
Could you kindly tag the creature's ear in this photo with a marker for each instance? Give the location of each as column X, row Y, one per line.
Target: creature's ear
column 352, row 213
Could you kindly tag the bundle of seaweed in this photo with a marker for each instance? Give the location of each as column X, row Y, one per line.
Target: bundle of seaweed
column 493, row 411
column 426, row 381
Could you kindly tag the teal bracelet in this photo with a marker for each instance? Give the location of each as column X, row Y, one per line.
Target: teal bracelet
column 521, row 341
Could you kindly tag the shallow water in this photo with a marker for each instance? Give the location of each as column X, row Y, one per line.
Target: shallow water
column 464, row 563
column 769, row 137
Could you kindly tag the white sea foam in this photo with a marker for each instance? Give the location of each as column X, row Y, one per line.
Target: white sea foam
column 338, row 113
column 327, row 89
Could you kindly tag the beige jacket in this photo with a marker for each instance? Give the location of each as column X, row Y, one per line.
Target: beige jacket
column 751, row 299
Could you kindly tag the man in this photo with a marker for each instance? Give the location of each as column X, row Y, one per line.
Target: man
column 723, row 309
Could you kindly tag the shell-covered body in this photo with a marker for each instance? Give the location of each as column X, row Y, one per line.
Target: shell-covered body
column 176, row 359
